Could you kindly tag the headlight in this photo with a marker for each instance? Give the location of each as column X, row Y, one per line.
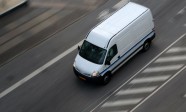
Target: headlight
column 95, row 74
column 74, row 64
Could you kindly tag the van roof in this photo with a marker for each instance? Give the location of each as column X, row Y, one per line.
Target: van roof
column 102, row 33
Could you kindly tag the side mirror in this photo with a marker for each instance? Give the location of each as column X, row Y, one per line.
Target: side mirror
column 107, row 62
column 79, row 48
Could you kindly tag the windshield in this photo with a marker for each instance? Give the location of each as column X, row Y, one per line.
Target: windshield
column 92, row 53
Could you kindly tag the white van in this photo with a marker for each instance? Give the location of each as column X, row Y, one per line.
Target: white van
column 113, row 42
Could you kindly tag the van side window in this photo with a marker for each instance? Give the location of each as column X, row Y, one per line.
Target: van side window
column 112, row 52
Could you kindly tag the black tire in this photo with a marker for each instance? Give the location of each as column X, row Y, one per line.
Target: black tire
column 106, row 78
column 146, row 45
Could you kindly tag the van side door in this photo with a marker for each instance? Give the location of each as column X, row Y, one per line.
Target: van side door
column 112, row 55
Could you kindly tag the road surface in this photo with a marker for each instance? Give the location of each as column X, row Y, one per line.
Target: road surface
column 39, row 78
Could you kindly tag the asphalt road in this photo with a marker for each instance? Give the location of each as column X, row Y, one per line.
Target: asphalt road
column 54, row 87
column 31, row 24
column 170, row 96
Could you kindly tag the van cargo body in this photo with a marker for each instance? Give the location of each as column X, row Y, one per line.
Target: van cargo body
column 113, row 42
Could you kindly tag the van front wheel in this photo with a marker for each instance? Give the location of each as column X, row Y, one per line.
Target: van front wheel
column 146, row 45
column 106, row 79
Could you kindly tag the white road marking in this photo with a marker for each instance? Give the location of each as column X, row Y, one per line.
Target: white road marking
column 104, row 14
column 120, row 4
column 176, row 49
column 171, row 59
column 137, row 90
column 158, row 88
column 163, row 68
column 184, row 95
column 178, row 39
column 39, row 70
column 122, row 102
column 150, row 79
column 182, row 11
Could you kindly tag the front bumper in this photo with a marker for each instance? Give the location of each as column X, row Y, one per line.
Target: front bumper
column 86, row 78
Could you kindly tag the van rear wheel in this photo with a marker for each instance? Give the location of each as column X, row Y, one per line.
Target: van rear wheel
column 146, row 45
